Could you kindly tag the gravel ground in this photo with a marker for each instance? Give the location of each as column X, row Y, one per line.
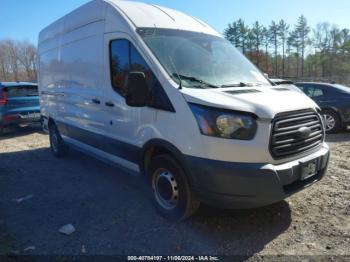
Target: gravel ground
column 112, row 213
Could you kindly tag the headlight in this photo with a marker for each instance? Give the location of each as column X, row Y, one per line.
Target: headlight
column 225, row 123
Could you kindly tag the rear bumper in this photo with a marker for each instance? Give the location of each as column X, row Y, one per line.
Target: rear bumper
column 246, row 185
column 19, row 118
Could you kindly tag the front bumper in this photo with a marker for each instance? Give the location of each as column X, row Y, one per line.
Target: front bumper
column 247, row 185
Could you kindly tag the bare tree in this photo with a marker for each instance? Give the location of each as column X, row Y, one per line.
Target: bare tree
column 322, row 42
column 3, row 62
column 26, row 56
column 13, row 55
column 17, row 61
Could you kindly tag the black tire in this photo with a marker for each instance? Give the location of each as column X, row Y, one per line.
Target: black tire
column 167, row 178
column 57, row 145
column 332, row 121
column 42, row 124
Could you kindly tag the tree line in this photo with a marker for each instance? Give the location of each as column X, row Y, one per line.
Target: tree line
column 279, row 49
column 295, row 51
column 17, row 61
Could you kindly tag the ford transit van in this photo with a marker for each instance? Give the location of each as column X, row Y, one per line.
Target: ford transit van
column 165, row 96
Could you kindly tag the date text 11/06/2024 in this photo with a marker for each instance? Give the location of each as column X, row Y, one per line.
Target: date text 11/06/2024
column 173, row 258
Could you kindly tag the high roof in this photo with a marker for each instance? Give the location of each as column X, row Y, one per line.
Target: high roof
column 91, row 12
column 146, row 15
column 138, row 14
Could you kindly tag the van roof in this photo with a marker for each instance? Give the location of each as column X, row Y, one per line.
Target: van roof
column 137, row 13
column 147, row 15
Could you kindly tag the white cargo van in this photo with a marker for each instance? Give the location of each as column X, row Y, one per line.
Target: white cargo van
column 163, row 95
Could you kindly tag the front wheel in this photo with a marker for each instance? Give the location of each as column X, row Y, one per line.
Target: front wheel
column 58, row 147
column 331, row 121
column 172, row 195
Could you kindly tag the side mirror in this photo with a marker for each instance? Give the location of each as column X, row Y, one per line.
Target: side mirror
column 137, row 93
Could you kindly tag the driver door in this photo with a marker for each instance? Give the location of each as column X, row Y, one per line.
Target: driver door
column 126, row 125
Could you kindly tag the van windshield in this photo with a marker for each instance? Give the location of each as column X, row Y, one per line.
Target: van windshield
column 201, row 60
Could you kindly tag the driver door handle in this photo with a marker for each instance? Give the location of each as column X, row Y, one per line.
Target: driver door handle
column 110, row 104
column 96, row 101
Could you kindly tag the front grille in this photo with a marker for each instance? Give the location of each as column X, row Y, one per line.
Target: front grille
column 287, row 137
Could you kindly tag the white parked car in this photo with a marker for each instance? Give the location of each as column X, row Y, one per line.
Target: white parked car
column 164, row 95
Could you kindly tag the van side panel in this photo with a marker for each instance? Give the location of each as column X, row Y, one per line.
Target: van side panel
column 71, row 75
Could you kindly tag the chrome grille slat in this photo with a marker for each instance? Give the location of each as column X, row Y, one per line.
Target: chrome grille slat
column 299, row 149
column 295, row 131
column 285, row 137
column 296, row 126
column 294, row 119
column 299, row 114
column 298, row 143
column 312, row 135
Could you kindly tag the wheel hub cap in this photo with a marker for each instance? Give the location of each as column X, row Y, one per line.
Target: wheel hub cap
column 166, row 189
column 329, row 122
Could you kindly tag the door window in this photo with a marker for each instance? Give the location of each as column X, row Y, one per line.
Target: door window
column 314, row 92
column 119, row 64
column 317, row 92
column 125, row 58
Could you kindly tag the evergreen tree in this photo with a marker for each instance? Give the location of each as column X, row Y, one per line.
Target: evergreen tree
column 266, row 43
column 302, row 31
column 232, row 34
column 243, row 35
column 257, row 35
column 283, row 34
column 274, row 31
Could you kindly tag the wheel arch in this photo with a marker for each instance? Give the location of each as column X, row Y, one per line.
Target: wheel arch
column 156, row 147
column 50, row 122
column 335, row 110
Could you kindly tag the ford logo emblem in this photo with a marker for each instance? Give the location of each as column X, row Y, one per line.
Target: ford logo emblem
column 304, row 132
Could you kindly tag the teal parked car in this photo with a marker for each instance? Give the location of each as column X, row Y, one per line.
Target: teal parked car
column 19, row 104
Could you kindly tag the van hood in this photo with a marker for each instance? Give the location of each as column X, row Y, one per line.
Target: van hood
column 263, row 101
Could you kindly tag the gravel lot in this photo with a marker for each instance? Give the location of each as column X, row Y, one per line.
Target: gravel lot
column 112, row 213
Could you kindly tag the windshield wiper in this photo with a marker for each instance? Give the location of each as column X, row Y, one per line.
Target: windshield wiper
column 241, row 84
column 194, row 79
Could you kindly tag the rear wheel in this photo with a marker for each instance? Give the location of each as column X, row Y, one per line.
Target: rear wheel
column 58, row 147
column 172, row 195
column 332, row 121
